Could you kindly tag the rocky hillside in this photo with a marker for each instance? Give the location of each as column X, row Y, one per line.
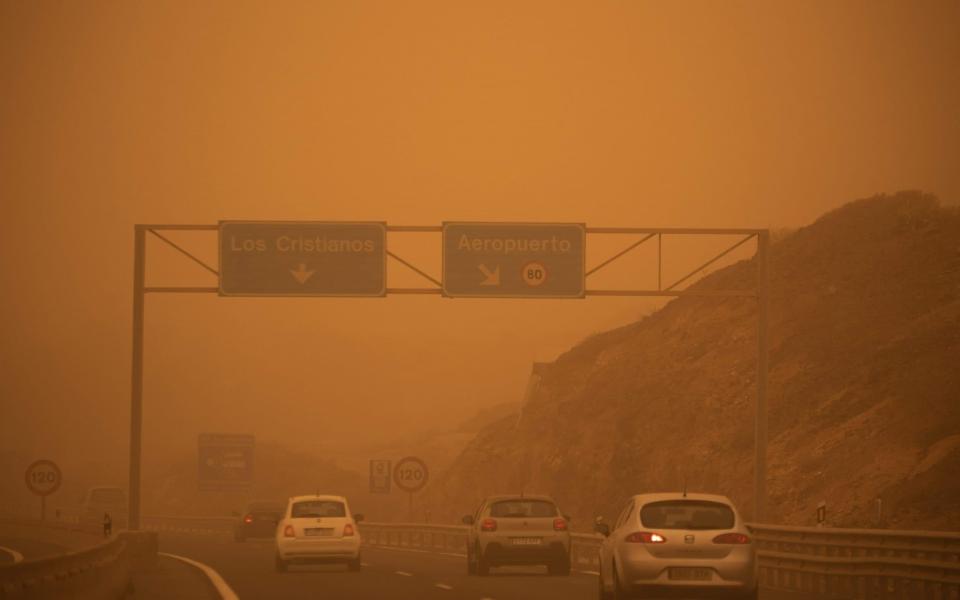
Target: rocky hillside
column 864, row 387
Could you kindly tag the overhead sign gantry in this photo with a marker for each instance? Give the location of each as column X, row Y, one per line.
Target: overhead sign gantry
column 480, row 260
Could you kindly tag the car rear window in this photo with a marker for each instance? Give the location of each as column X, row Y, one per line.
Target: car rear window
column 318, row 508
column 687, row 514
column 523, row 508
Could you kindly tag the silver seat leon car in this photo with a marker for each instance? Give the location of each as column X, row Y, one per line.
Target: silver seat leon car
column 677, row 545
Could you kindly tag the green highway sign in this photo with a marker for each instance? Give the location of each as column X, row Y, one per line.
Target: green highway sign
column 514, row 260
column 291, row 258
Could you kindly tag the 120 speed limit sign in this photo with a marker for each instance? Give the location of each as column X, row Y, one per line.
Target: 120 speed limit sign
column 410, row 474
column 43, row 477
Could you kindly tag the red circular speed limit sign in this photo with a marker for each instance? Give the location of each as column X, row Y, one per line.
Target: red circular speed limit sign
column 534, row 274
column 43, row 477
column 410, row 474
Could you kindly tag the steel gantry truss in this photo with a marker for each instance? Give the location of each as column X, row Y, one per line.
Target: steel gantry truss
column 760, row 292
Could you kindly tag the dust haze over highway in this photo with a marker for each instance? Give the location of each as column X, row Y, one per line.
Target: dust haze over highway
column 459, row 233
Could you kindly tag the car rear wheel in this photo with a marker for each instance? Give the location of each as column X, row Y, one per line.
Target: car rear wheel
column 483, row 565
column 602, row 594
column 560, row 566
column 618, row 591
column 354, row 564
column 754, row 595
column 281, row 564
column 471, row 562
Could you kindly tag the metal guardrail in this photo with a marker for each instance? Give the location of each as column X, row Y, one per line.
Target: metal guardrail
column 188, row 524
column 860, row 563
column 822, row 562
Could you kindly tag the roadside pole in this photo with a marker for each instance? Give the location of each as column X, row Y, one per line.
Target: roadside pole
column 760, row 417
column 136, row 387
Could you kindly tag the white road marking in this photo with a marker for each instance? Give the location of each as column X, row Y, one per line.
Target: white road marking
column 590, row 572
column 403, row 573
column 443, row 586
column 221, row 586
column 363, row 564
column 17, row 557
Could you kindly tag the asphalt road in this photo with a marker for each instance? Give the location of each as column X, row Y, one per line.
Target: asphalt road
column 386, row 574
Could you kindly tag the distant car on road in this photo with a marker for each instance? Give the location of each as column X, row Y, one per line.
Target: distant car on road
column 316, row 529
column 693, row 544
column 259, row 520
column 518, row 530
column 103, row 500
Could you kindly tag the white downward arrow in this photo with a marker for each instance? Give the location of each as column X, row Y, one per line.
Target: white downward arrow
column 302, row 274
column 492, row 277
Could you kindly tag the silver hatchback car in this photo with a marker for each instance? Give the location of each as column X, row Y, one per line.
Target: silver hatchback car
column 678, row 545
column 518, row 530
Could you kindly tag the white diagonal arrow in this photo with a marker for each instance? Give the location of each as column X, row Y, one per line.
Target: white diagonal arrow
column 302, row 274
column 492, row 277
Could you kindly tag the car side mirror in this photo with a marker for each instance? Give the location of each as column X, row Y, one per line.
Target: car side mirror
column 467, row 520
column 602, row 528
column 358, row 517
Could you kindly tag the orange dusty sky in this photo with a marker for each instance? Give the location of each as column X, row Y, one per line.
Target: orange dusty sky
column 704, row 114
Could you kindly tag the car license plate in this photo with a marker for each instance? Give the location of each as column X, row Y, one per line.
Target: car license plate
column 525, row 541
column 690, row 574
column 318, row 531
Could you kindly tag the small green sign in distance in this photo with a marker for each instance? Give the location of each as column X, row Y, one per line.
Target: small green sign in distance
column 298, row 258
column 514, row 260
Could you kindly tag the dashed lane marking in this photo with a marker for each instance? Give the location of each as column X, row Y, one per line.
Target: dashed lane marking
column 403, row 573
column 590, row 572
column 443, row 586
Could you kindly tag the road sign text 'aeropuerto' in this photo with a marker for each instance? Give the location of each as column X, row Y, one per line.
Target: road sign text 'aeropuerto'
column 514, row 260
column 283, row 258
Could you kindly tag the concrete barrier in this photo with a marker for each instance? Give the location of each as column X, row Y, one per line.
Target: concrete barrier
column 102, row 572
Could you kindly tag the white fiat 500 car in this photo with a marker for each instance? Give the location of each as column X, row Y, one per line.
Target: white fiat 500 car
column 316, row 529
column 667, row 544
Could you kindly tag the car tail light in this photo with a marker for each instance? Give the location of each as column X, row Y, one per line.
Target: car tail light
column 347, row 530
column 288, row 531
column 731, row 538
column 248, row 519
column 488, row 525
column 559, row 525
column 645, row 537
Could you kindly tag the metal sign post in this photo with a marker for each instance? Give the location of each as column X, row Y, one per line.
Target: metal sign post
column 493, row 260
column 410, row 475
column 43, row 477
